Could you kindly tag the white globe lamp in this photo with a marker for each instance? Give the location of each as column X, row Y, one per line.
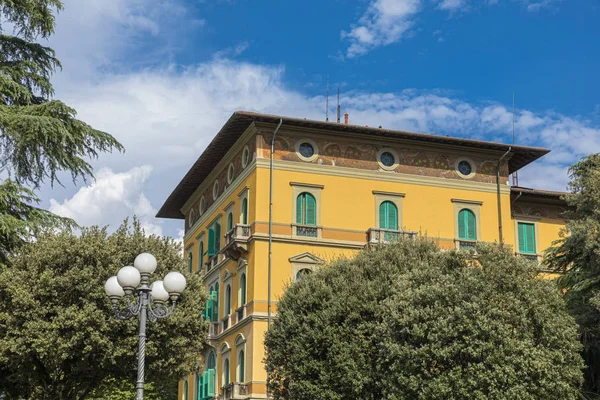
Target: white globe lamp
column 158, row 292
column 128, row 278
column 145, row 263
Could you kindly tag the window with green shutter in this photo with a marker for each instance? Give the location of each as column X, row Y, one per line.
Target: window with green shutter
column 526, row 232
column 242, row 376
column 200, row 388
column 226, row 372
column 467, row 225
column 228, row 300
column 211, row 242
column 215, row 304
column 244, row 210
column 306, row 209
column 243, row 289
column 201, row 254
column 388, row 216
column 229, row 221
column 210, row 390
column 217, row 237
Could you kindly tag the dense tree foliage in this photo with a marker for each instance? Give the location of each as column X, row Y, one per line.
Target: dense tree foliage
column 40, row 137
column 58, row 336
column 579, row 254
column 408, row 321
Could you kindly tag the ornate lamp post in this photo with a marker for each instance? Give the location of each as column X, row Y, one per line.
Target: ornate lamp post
column 153, row 301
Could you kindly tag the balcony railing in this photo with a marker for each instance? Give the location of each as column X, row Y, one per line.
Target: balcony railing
column 234, row 391
column 530, row 257
column 241, row 313
column 213, row 329
column 309, row 231
column 226, row 322
column 236, row 241
column 378, row 235
column 465, row 244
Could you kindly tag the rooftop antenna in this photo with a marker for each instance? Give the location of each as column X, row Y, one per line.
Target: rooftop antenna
column 327, row 101
column 339, row 109
column 515, row 176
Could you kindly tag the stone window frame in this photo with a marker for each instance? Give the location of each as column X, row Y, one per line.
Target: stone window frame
column 315, row 190
column 472, row 205
column 240, row 345
column 230, row 173
column 302, row 261
column 244, row 194
column 396, row 159
column 201, row 261
column 230, row 208
column 395, row 198
column 241, row 270
column 473, row 167
column 313, row 144
column 245, row 156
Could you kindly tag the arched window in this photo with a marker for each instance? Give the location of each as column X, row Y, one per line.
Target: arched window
column 226, row 372
column 189, row 262
column 306, row 209
column 228, row 300
column 303, row 272
column 209, row 380
column 241, row 372
column 229, row 221
column 467, row 225
column 388, row 216
column 243, row 289
column 244, row 211
column 201, row 255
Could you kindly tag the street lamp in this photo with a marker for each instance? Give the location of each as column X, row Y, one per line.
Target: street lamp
column 153, row 301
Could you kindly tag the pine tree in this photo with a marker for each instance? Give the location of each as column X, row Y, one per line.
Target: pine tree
column 40, row 137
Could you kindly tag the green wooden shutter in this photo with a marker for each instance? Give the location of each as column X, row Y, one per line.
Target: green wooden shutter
column 242, row 377
column 531, row 238
column 201, row 254
column 210, row 392
column 215, row 312
column 462, row 224
column 243, row 287
column 211, row 242
column 206, row 384
column 245, row 211
column 217, row 237
column 383, row 215
column 299, row 205
column 199, row 390
column 522, row 236
column 392, row 216
column 311, row 210
column 471, row 226
column 208, row 310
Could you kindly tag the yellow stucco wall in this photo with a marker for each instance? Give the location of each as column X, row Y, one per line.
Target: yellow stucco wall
column 346, row 211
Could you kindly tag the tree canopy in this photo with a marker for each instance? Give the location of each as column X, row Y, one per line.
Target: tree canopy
column 578, row 253
column 58, row 336
column 408, row 321
column 40, row 137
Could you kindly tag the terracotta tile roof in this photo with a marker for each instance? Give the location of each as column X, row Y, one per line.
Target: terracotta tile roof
column 536, row 192
column 241, row 120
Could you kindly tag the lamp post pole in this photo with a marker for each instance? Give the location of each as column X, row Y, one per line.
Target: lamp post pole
column 144, row 300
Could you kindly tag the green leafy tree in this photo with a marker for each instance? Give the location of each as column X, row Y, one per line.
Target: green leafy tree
column 578, row 253
column 40, row 137
column 58, row 336
column 408, row 321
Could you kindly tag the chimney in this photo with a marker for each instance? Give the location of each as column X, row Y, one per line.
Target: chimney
column 346, row 118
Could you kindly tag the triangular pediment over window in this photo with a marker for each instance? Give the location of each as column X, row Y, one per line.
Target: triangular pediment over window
column 306, row 258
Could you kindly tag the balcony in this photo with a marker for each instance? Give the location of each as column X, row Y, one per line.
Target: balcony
column 465, row 244
column 530, row 257
column 240, row 313
column 213, row 329
column 307, row 231
column 380, row 236
column 234, row 391
column 236, row 241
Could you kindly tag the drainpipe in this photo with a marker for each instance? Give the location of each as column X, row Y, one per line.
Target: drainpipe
column 270, row 234
column 516, row 198
column 498, row 194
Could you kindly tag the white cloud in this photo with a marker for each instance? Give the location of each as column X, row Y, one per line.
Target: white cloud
column 384, row 22
column 110, row 199
column 453, row 5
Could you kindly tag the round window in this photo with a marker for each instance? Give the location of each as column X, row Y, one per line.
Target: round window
column 230, row 173
column 306, row 150
column 202, row 205
column 387, row 159
column 464, row 168
column 216, row 190
column 245, row 157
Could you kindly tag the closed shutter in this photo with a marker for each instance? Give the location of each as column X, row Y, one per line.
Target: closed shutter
column 531, row 239
column 217, row 237
column 211, row 242
column 299, row 206
column 522, row 237
column 526, row 234
column 245, row 211
column 388, row 216
column 311, row 210
column 467, row 225
column 210, row 391
column 201, row 255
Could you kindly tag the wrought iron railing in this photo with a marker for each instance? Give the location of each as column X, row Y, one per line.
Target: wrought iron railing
column 234, row 391
column 307, row 230
column 466, row 244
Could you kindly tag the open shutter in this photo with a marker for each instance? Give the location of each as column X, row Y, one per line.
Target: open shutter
column 206, row 384
column 217, row 237
column 311, row 210
column 208, row 310
column 462, row 224
column 211, row 242
column 200, row 387
column 471, row 226
column 299, row 204
column 210, row 389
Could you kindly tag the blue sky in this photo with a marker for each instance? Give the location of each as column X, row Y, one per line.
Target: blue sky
column 164, row 75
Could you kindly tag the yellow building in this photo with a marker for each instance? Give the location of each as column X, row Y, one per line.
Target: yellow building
column 336, row 188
